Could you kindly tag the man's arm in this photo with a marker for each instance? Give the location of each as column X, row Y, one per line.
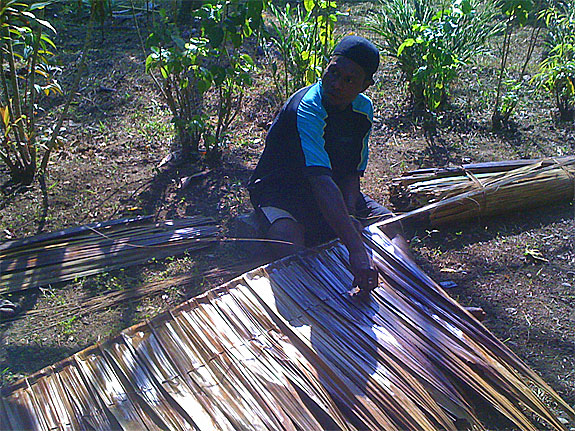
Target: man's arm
column 333, row 208
column 349, row 187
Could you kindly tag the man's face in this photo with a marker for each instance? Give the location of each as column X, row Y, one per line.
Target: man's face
column 342, row 81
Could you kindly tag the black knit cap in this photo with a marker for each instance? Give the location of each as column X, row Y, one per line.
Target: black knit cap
column 360, row 50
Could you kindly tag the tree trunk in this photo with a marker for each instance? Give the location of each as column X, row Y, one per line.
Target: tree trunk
column 567, row 114
column 24, row 175
column 188, row 142
column 497, row 121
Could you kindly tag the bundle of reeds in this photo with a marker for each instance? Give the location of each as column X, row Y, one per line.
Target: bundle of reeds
column 92, row 249
column 445, row 195
column 284, row 347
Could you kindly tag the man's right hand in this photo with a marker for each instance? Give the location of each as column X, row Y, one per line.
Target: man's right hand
column 334, row 210
column 365, row 275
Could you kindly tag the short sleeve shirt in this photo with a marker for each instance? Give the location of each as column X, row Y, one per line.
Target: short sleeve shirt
column 305, row 140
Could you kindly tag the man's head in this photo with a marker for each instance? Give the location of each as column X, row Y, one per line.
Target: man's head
column 350, row 71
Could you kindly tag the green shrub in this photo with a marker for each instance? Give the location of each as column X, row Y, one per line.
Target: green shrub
column 178, row 70
column 431, row 42
column 517, row 13
column 303, row 37
column 557, row 69
column 27, row 74
column 184, row 70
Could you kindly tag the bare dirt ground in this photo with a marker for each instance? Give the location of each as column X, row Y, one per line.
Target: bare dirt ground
column 119, row 130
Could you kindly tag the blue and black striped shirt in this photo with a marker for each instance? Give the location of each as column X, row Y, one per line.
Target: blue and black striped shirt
column 305, row 139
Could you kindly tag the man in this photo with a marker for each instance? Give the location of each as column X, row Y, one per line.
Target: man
column 306, row 186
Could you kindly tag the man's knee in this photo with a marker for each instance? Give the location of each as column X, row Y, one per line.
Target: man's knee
column 286, row 237
column 369, row 211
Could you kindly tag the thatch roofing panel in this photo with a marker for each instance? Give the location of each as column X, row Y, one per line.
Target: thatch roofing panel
column 284, row 347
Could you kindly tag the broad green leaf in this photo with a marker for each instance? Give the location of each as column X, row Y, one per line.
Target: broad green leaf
column 41, row 5
column 309, row 5
column 164, row 72
column 28, row 14
column 45, row 38
column 247, row 59
column 150, row 60
column 46, row 24
column 215, row 35
column 466, row 7
column 219, row 74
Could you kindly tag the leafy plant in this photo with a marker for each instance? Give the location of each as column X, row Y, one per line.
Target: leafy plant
column 431, row 42
column 227, row 25
column 429, row 82
column 185, row 70
column 517, row 13
column 557, row 69
column 229, row 80
column 303, row 37
column 27, row 73
column 178, row 70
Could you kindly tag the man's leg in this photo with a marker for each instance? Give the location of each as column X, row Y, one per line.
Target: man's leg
column 285, row 233
column 369, row 211
column 287, row 237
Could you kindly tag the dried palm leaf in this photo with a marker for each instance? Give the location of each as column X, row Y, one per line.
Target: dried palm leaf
column 56, row 314
column 487, row 189
column 92, row 249
column 284, row 347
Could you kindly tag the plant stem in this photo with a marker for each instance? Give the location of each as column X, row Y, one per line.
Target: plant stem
column 496, row 116
column 31, row 126
column 532, row 41
column 52, row 142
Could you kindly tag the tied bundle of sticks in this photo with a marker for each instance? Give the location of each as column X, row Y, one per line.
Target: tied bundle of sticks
column 445, row 195
column 91, row 249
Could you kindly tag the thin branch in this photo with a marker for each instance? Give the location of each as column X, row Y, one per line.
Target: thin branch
column 52, row 143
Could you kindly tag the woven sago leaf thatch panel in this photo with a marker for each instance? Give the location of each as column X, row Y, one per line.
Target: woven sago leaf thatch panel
column 284, row 347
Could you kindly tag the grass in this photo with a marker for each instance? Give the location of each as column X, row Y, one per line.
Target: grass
column 68, row 327
column 7, row 377
column 151, row 124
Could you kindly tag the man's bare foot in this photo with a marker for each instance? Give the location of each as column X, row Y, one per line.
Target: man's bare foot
column 477, row 312
column 8, row 309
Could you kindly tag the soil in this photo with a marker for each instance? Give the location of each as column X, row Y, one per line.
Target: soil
column 118, row 130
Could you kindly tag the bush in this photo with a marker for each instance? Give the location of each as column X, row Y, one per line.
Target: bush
column 184, row 70
column 178, row 70
column 431, row 42
column 557, row 69
column 517, row 13
column 303, row 38
column 27, row 73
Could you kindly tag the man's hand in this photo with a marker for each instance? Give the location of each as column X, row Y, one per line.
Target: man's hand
column 365, row 275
